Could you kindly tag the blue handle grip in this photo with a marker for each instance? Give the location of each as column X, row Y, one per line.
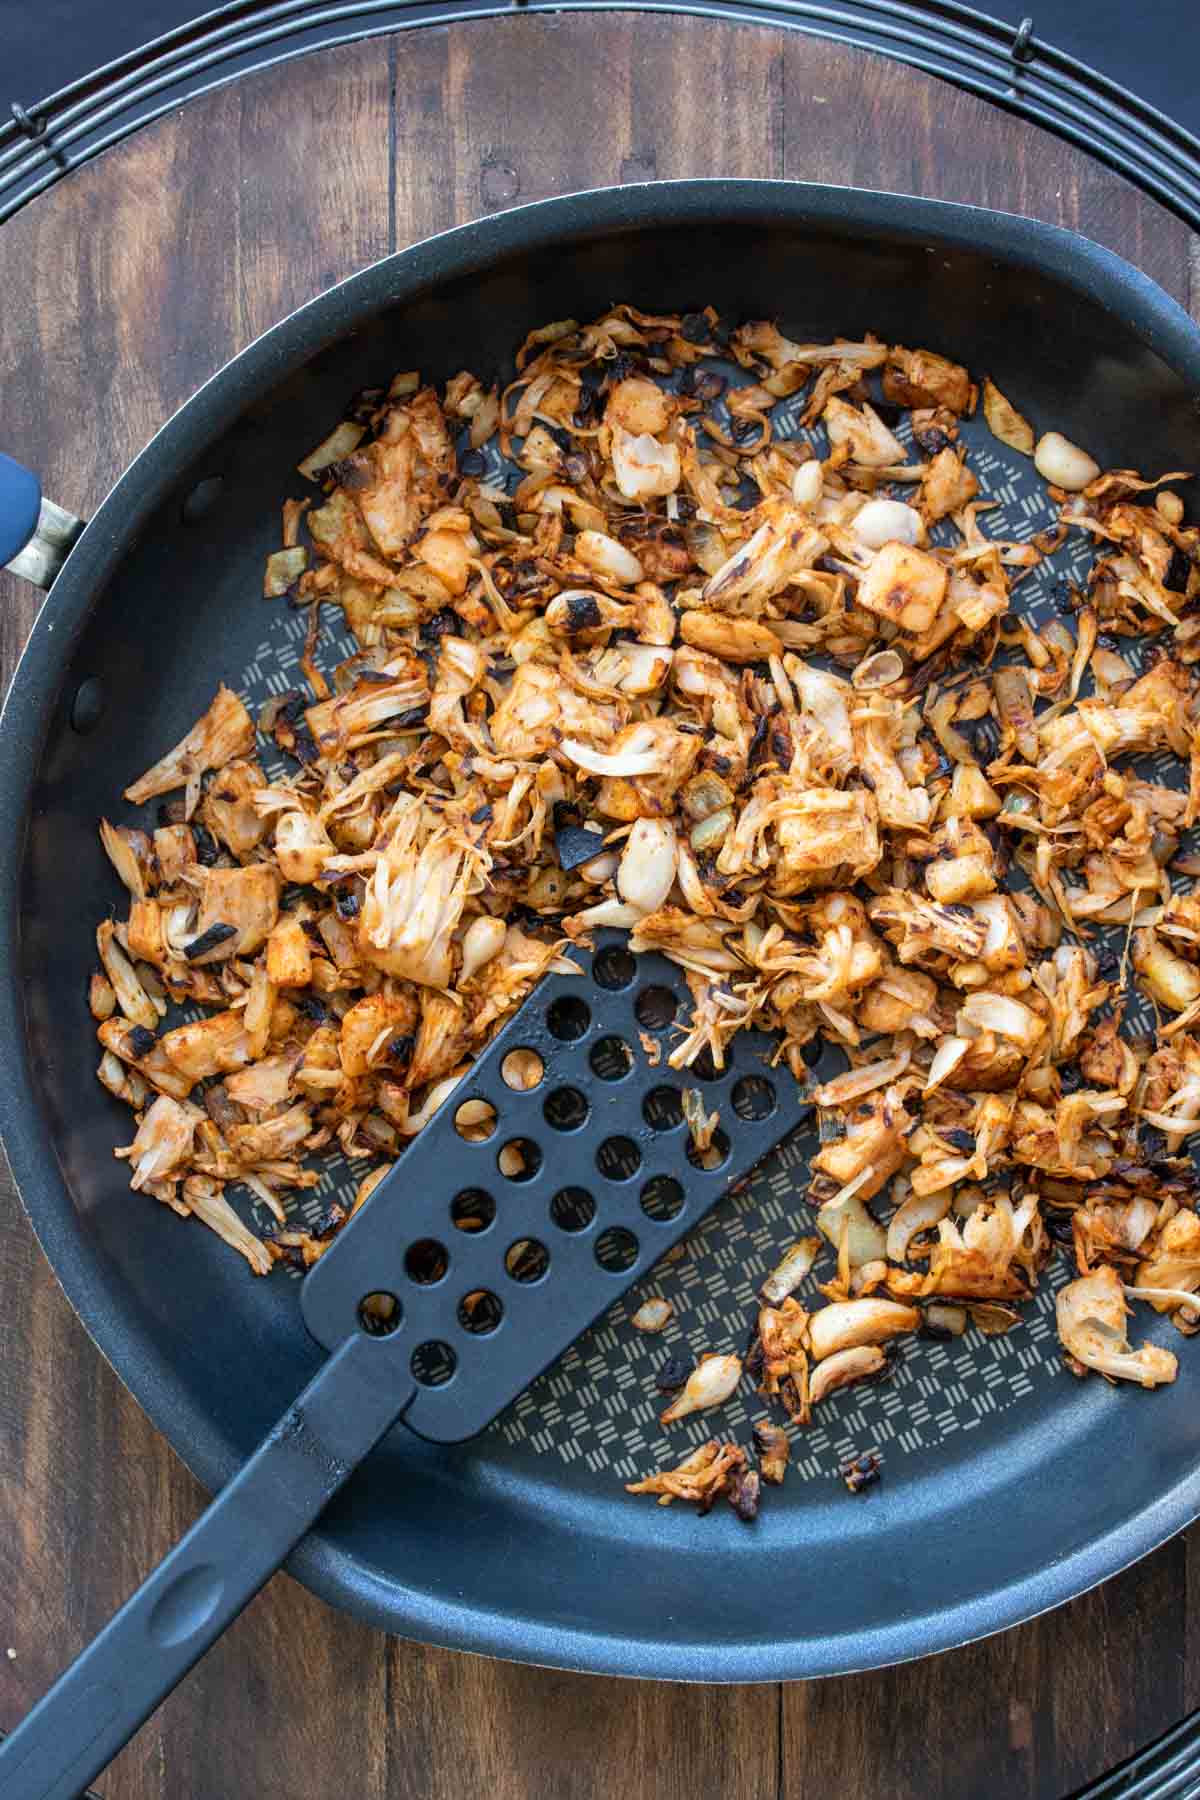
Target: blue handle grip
column 20, row 504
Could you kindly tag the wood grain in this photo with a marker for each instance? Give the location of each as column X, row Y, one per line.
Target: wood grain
column 125, row 287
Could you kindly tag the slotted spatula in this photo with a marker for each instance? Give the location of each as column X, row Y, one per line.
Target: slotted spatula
column 472, row 1266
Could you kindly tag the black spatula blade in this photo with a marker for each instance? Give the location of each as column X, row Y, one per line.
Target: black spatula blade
column 483, row 1311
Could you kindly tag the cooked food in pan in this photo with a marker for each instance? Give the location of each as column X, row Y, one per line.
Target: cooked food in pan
column 630, row 654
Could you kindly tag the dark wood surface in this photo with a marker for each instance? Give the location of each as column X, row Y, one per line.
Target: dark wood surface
column 126, row 286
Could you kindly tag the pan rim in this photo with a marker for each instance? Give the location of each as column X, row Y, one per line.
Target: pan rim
column 321, row 1562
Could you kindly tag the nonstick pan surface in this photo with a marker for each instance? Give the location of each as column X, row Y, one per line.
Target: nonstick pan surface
column 1008, row 1486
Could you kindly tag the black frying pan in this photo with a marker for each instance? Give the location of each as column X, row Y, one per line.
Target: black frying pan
column 988, row 1514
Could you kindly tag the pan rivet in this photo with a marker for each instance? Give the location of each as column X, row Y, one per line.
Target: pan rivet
column 87, row 708
column 200, row 501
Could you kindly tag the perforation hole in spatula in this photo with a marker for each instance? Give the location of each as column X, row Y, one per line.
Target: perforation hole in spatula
column 589, row 1175
column 566, row 1109
column 705, row 1068
column 433, row 1363
column 522, row 1070
column 655, row 1008
column 568, row 1018
column 753, row 1097
column 480, row 1312
column 380, row 1314
column 572, row 1209
column 713, row 1156
column 662, row 1199
column 426, row 1262
column 527, row 1260
column 616, row 1250
column 614, row 967
column 618, row 1158
column 520, row 1159
column 662, row 1109
column 611, row 1059
column 475, row 1121
column 473, row 1210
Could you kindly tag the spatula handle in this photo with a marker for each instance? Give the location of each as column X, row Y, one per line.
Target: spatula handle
column 201, row 1587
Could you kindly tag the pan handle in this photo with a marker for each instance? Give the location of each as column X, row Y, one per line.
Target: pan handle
column 35, row 534
column 202, row 1585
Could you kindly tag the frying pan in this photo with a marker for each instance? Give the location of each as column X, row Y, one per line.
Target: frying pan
column 1008, row 1487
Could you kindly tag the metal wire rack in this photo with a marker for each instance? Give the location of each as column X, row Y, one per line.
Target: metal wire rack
column 41, row 142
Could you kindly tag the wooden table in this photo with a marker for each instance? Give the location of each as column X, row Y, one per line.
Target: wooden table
column 124, row 287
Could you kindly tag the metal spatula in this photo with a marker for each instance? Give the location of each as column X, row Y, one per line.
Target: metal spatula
column 546, row 1185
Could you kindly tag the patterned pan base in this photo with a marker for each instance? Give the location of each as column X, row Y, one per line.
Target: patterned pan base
column 598, row 1407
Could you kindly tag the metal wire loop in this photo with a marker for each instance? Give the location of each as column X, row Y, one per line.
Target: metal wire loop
column 30, row 128
column 1023, row 48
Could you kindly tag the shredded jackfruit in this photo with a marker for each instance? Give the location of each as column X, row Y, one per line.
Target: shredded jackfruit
column 812, row 753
